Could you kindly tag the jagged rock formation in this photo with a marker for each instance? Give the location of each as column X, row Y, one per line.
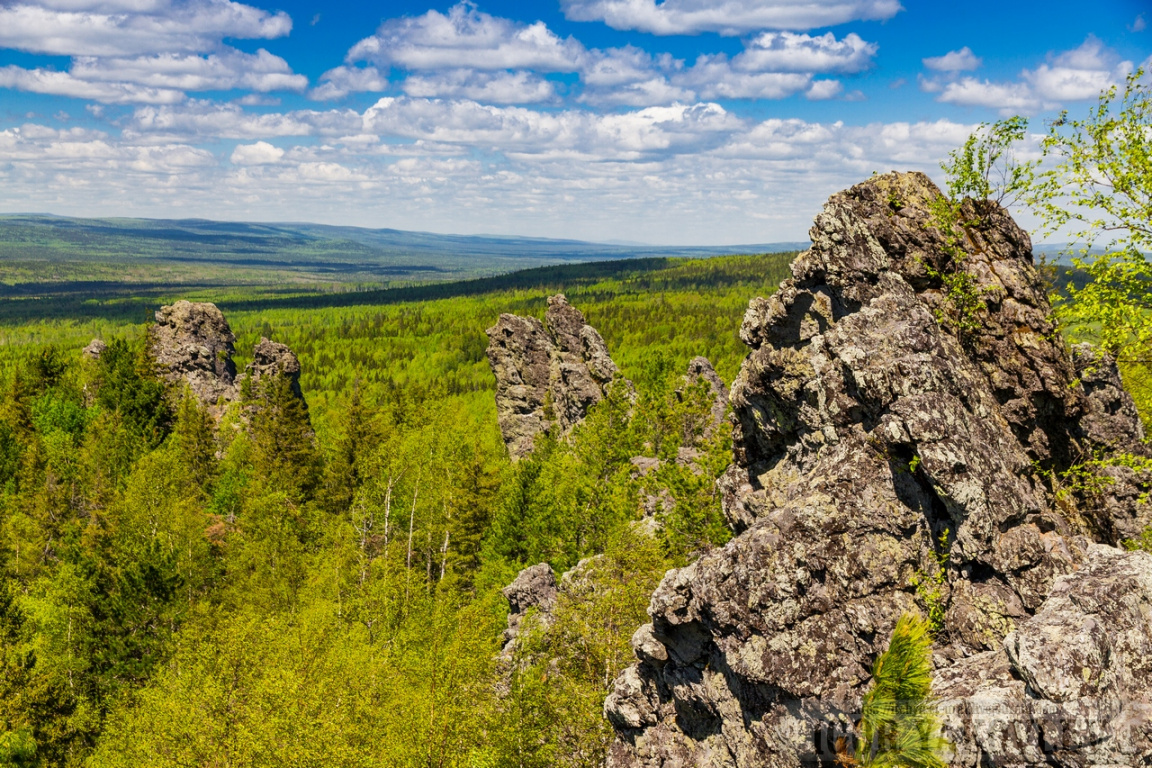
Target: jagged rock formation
column 192, row 343
column 534, row 588
column 882, row 427
column 700, row 369
column 1111, row 419
column 271, row 358
column 547, row 374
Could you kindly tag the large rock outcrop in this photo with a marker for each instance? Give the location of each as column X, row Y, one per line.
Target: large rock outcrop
column 271, row 358
column 547, row 374
column 895, row 444
column 192, row 343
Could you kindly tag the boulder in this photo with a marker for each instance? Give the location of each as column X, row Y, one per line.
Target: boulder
column 533, row 589
column 895, row 440
column 548, row 374
column 1070, row 685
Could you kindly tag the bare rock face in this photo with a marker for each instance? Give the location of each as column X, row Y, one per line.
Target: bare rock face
column 1070, row 685
column 192, row 343
column 886, row 434
column 94, row 349
column 533, row 588
column 547, row 374
column 271, row 358
column 1112, row 420
column 701, row 370
column 533, row 597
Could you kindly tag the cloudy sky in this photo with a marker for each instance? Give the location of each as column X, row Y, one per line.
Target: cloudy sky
column 679, row 121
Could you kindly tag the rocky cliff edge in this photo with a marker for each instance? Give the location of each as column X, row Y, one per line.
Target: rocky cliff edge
column 901, row 444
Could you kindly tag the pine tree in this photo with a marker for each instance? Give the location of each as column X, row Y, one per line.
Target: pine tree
column 899, row 727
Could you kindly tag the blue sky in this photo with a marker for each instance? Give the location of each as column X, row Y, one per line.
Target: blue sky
column 681, row 121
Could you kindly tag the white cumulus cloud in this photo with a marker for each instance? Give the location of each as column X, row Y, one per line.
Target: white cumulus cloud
column 202, row 119
column 468, row 38
column 491, row 87
column 224, row 70
column 821, row 90
column 728, row 17
column 790, row 52
column 1075, row 75
column 144, row 51
column 260, row 153
column 520, row 130
column 65, row 84
column 716, row 77
column 954, row 61
column 339, row 82
column 129, row 29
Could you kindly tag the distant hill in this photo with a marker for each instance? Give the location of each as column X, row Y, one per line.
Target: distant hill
column 315, row 251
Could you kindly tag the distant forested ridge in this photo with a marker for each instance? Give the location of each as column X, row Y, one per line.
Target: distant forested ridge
column 71, row 260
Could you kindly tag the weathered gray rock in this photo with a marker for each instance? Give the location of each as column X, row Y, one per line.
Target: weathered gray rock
column 547, row 374
column 94, row 349
column 193, row 344
column 1112, row 420
column 1114, row 494
column 701, row 370
column 534, row 589
column 881, row 428
column 1071, row 684
column 271, row 358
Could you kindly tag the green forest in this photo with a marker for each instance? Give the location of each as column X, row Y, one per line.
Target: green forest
column 322, row 586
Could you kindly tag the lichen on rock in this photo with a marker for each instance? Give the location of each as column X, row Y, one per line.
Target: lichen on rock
column 889, row 458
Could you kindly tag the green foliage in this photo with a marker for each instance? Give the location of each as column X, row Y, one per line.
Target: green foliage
column 284, row 451
column 561, row 676
column 963, row 300
column 17, row 749
column 320, row 584
column 986, row 168
column 899, row 726
column 129, row 387
column 1093, row 186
